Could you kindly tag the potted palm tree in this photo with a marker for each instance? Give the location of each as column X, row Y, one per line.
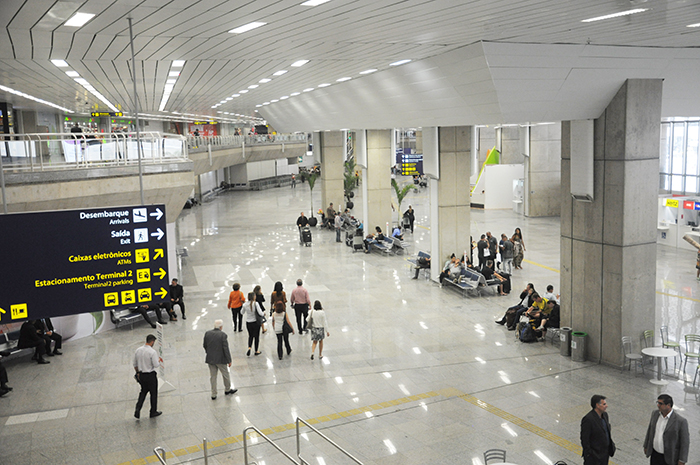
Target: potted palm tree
column 349, row 182
column 311, row 178
column 401, row 192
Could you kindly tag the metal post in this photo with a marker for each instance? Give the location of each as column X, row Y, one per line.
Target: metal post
column 136, row 109
column 206, row 457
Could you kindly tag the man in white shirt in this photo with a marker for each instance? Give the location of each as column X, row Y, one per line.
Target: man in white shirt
column 145, row 365
column 667, row 440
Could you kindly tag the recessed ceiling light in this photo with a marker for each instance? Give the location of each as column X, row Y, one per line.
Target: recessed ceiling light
column 35, row 99
column 264, row 80
column 60, row 63
column 398, row 63
column 226, row 113
column 274, row 101
column 280, row 72
column 308, row 89
column 229, row 99
column 266, row 103
column 615, row 15
column 294, row 94
column 178, row 63
column 246, row 27
column 257, row 106
column 171, row 81
column 314, row 2
column 343, row 79
column 325, row 84
column 243, row 91
column 79, row 19
column 368, row 71
column 284, row 97
column 72, row 74
column 693, row 25
column 254, row 86
column 299, row 63
column 236, row 95
column 214, row 106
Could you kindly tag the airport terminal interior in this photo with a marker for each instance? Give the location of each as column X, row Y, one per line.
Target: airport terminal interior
column 582, row 118
column 412, row 373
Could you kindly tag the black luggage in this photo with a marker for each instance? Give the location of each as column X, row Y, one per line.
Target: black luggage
column 306, row 236
column 510, row 317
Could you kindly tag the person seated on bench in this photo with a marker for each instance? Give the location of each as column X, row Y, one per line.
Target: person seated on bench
column 550, row 318
column 168, row 307
column 367, row 243
column 143, row 310
column 489, row 274
column 397, row 233
column 525, row 303
column 4, row 388
column 452, row 271
column 176, row 295
column 45, row 330
column 29, row 337
column 549, row 295
column 421, row 263
column 378, row 236
column 538, row 303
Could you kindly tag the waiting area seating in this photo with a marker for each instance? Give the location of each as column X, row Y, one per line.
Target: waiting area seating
column 128, row 316
column 471, row 281
column 8, row 346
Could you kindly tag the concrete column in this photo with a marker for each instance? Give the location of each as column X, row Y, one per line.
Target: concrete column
column 453, row 197
column 608, row 246
column 379, row 162
column 332, row 168
column 543, row 171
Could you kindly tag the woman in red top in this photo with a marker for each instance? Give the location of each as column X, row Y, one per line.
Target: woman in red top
column 278, row 295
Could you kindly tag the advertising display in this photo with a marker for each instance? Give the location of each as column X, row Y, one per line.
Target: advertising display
column 78, row 261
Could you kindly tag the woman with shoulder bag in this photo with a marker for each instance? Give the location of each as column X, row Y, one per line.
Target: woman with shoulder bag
column 260, row 299
column 282, row 328
column 254, row 318
column 278, row 295
column 318, row 325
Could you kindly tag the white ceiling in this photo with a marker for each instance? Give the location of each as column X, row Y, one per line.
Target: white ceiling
column 474, row 61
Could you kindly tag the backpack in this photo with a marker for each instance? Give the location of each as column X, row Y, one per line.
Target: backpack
column 527, row 334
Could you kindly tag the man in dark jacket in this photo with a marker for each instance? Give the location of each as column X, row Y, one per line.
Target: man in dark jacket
column 596, row 438
column 29, row 337
column 176, row 295
column 667, row 440
column 45, row 330
column 218, row 357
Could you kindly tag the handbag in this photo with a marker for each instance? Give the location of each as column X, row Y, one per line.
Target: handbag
column 260, row 319
column 310, row 320
column 286, row 329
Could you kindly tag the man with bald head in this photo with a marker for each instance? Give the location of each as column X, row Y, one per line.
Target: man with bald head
column 218, row 357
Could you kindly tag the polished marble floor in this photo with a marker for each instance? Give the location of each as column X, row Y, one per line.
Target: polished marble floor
column 411, row 374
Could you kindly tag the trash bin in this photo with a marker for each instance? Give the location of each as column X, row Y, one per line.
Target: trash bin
column 565, row 342
column 578, row 346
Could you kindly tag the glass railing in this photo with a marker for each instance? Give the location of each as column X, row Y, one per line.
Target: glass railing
column 202, row 142
column 55, row 151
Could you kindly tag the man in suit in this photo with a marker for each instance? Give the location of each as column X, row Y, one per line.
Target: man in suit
column 29, row 337
column 667, row 440
column 45, row 330
column 596, row 439
column 176, row 294
column 218, row 357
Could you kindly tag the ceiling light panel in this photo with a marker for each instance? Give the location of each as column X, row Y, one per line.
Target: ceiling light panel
column 79, row 19
column 178, row 63
column 247, row 27
column 399, row 63
column 368, row 71
column 615, row 15
column 60, row 63
column 34, row 99
column 299, row 63
column 280, row 72
column 314, row 2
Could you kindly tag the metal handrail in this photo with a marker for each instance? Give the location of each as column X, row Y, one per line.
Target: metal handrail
column 160, row 454
column 260, row 433
column 324, row 437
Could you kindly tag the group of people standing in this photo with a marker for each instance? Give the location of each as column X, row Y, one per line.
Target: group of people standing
column 510, row 249
column 255, row 316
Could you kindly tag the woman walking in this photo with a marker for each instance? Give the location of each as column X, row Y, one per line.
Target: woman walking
column 260, row 299
column 279, row 318
column 235, row 303
column 518, row 251
column 278, row 295
column 319, row 328
column 253, row 319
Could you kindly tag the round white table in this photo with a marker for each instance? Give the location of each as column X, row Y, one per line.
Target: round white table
column 658, row 353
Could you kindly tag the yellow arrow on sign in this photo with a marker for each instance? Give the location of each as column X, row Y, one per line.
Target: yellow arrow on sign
column 2, row 311
column 159, row 253
column 161, row 274
column 162, row 293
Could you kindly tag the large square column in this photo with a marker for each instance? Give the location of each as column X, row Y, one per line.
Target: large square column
column 608, row 246
column 332, row 168
column 379, row 163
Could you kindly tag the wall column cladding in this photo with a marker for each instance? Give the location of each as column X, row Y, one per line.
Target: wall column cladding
column 543, row 171
column 379, row 163
column 453, row 198
column 332, row 168
column 608, row 246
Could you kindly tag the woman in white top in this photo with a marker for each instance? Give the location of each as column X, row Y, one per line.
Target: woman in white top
column 278, row 319
column 318, row 325
column 252, row 311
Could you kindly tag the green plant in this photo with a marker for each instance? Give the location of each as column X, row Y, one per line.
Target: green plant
column 401, row 192
column 349, row 182
column 311, row 178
